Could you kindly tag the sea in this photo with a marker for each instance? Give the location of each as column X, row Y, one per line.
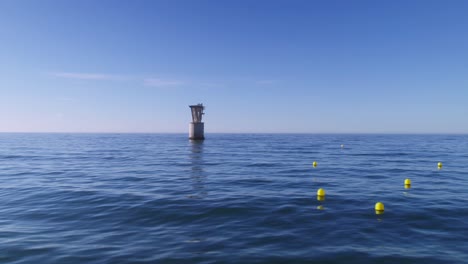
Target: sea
column 233, row 198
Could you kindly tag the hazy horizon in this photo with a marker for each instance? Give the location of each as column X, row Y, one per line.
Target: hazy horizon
column 240, row 133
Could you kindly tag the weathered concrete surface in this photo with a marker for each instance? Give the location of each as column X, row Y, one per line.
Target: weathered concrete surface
column 197, row 131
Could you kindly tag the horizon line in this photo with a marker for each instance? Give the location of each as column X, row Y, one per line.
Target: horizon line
column 279, row 133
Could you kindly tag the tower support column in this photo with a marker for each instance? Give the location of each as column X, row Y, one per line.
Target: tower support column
column 197, row 131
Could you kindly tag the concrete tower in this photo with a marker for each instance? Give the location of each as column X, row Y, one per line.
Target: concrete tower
column 197, row 127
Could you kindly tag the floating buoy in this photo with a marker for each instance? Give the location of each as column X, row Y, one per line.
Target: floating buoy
column 320, row 198
column 314, row 164
column 439, row 165
column 407, row 182
column 320, row 192
column 379, row 208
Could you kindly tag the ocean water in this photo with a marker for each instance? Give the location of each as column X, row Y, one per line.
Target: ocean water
column 234, row 198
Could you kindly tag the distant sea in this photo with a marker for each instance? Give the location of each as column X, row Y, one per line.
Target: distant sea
column 234, row 198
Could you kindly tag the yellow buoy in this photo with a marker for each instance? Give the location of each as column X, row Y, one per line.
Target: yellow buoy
column 320, row 192
column 439, row 165
column 407, row 186
column 379, row 207
column 320, row 198
column 407, row 182
column 314, row 164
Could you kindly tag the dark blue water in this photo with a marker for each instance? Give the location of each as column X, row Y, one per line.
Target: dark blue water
column 110, row 198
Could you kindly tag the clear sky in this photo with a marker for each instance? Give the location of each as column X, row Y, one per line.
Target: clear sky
column 258, row 66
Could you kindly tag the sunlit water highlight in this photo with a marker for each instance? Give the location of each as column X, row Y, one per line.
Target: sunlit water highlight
column 155, row 198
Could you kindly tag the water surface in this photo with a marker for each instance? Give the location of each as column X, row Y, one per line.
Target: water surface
column 234, row 198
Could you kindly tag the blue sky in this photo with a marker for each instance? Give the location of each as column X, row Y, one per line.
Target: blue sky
column 258, row 66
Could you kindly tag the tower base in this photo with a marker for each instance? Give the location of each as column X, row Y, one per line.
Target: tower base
column 197, row 131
